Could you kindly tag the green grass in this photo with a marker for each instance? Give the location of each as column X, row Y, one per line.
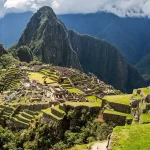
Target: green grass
column 48, row 112
column 74, row 90
column 145, row 118
column 94, row 99
column 59, row 110
column 110, row 111
column 136, row 96
column 88, row 104
column 39, row 77
column 146, row 91
column 135, row 137
column 122, row 99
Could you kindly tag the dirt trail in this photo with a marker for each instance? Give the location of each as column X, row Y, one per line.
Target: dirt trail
column 100, row 146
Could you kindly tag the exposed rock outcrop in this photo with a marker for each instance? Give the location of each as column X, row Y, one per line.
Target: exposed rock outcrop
column 105, row 61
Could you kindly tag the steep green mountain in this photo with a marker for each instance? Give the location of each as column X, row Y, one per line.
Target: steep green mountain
column 51, row 42
column 144, row 67
column 129, row 35
column 104, row 60
column 46, row 36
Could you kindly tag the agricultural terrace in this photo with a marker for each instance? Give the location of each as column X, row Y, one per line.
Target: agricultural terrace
column 111, row 111
column 122, row 99
column 74, row 90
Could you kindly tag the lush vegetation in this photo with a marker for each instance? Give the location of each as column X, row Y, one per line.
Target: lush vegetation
column 79, row 128
column 133, row 137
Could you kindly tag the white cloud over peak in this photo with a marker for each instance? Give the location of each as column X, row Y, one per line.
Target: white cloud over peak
column 132, row 8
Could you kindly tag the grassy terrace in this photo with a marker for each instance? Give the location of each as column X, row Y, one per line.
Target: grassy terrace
column 145, row 118
column 110, row 111
column 39, row 77
column 74, row 90
column 136, row 96
column 122, row 99
column 94, row 98
column 88, row 104
column 57, row 108
column 146, row 91
column 133, row 137
column 48, row 112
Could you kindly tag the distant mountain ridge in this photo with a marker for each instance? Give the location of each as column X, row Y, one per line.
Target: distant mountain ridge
column 130, row 35
column 12, row 26
column 51, row 42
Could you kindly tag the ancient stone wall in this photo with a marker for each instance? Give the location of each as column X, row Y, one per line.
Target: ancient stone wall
column 38, row 107
column 120, row 107
column 117, row 119
column 57, row 113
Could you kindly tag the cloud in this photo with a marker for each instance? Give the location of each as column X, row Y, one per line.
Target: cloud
column 131, row 8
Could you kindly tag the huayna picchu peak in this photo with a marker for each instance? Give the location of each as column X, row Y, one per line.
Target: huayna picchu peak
column 47, row 38
column 51, row 42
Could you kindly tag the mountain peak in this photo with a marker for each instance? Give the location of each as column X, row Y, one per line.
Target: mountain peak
column 46, row 11
column 47, row 38
column 50, row 42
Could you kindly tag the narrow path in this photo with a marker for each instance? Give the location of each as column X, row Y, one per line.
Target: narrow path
column 100, row 146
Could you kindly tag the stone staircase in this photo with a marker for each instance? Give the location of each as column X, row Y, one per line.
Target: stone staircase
column 24, row 118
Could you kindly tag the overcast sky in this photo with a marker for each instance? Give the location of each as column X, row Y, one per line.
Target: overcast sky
column 122, row 8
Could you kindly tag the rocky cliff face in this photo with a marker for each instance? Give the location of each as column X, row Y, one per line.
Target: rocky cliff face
column 47, row 38
column 105, row 61
column 2, row 50
column 51, row 42
column 144, row 67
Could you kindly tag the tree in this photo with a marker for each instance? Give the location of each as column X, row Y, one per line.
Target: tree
column 25, row 54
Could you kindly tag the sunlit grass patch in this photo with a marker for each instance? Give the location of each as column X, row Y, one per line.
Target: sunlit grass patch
column 135, row 137
column 74, row 90
column 122, row 99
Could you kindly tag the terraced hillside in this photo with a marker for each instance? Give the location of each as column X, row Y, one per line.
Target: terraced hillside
column 45, row 92
column 69, row 98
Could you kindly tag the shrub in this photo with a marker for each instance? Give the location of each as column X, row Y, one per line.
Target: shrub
column 25, row 54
